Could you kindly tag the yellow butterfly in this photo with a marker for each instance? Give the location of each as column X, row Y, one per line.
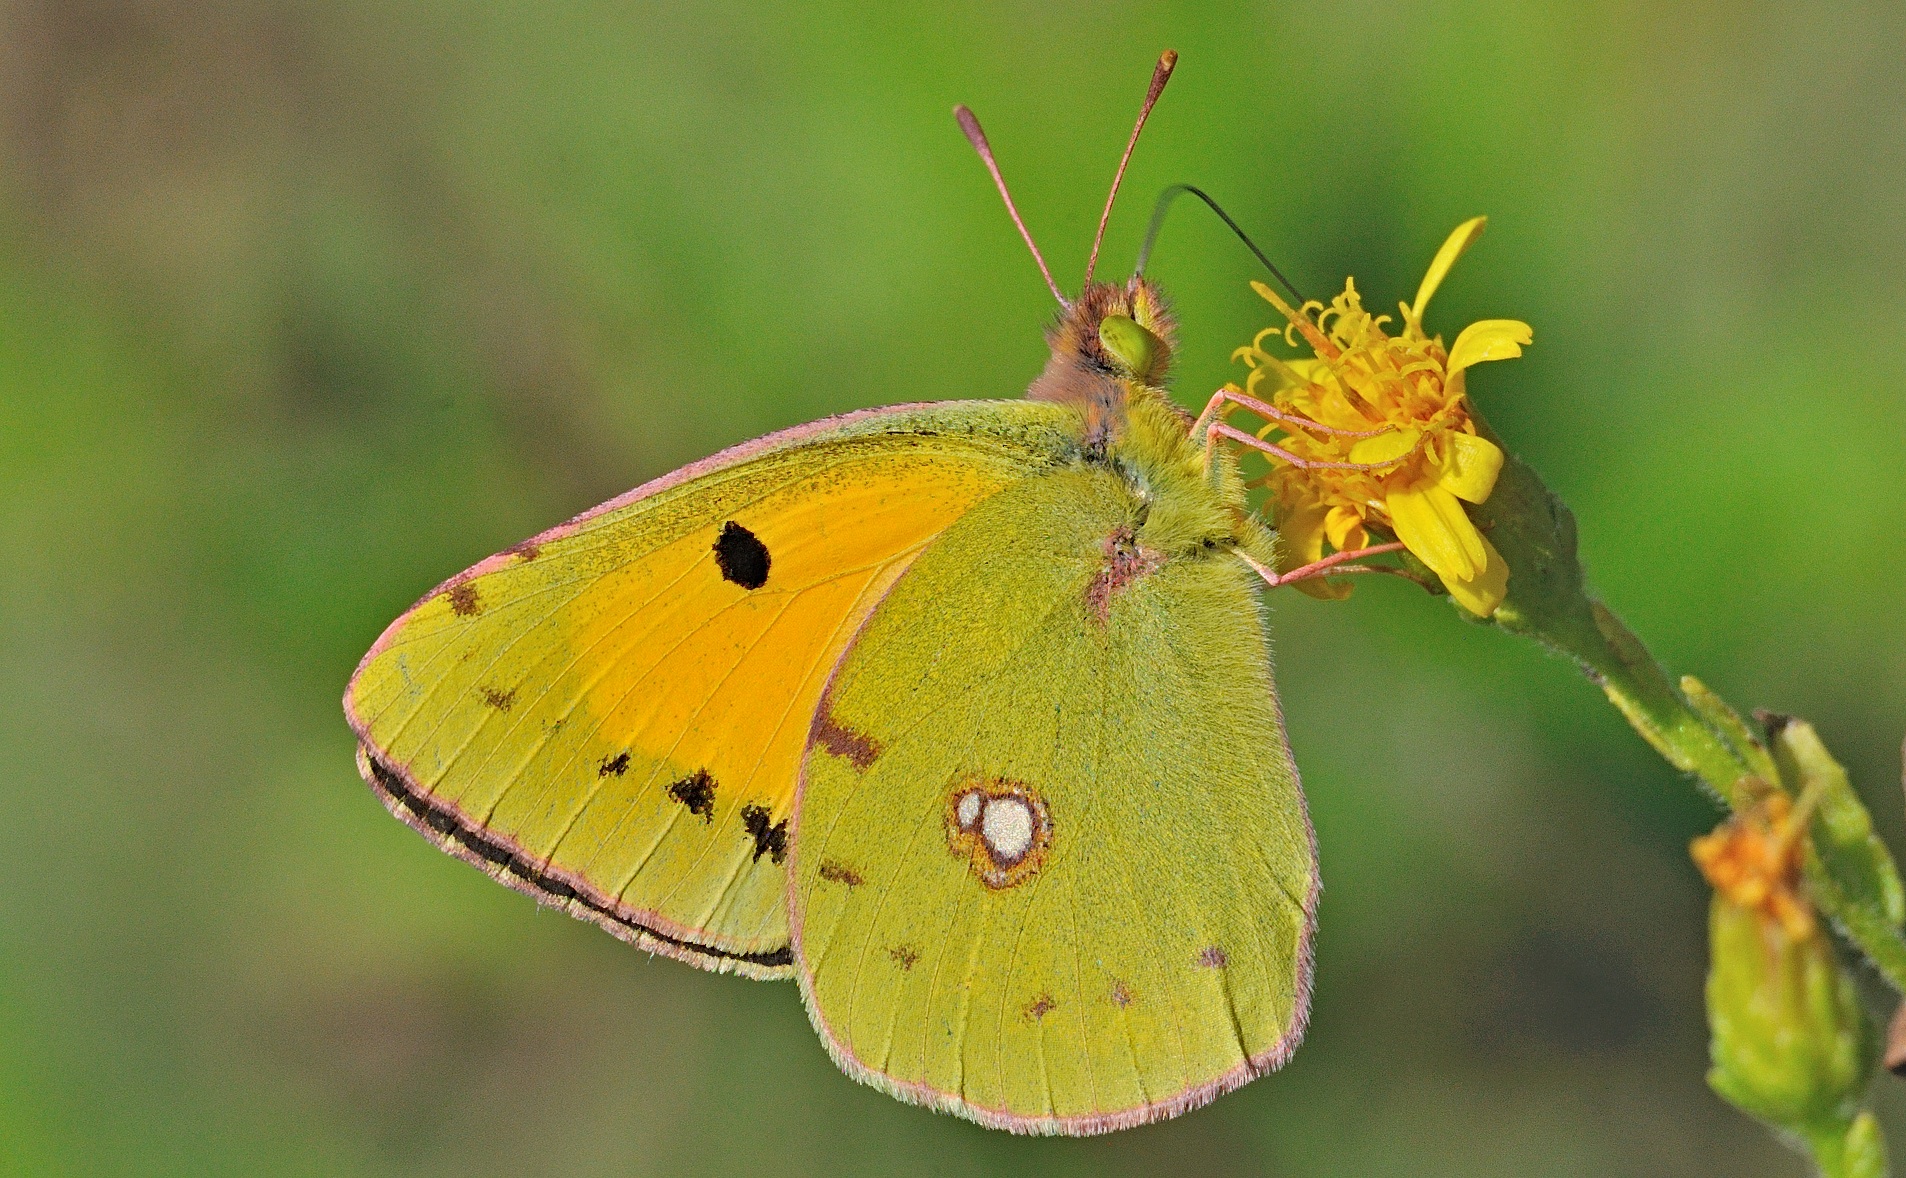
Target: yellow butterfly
column 959, row 714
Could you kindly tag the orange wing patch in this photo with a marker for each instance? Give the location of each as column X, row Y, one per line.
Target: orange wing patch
column 617, row 722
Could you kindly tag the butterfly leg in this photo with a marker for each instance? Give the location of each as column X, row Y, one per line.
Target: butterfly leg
column 1211, row 426
column 1220, row 429
column 1214, row 427
column 1225, row 397
column 1334, row 564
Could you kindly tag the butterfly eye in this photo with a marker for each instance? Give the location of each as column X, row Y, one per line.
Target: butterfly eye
column 1137, row 350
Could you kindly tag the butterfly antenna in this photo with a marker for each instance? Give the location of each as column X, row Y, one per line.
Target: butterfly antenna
column 977, row 138
column 1161, row 74
column 1158, row 220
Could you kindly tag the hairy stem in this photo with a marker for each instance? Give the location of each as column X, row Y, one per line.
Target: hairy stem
column 1548, row 601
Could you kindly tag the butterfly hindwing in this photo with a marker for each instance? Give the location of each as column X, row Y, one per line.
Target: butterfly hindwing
column 611, row 716
column 1052, row 869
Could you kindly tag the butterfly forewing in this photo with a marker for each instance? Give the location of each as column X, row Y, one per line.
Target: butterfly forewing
column 611, row 716
column 1065, row 880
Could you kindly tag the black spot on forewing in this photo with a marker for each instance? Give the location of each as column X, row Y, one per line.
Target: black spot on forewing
column 904, row 956
column 614, row 766
column 697, row 792
column 500, row 700
column 771, row 841
column 742, row 556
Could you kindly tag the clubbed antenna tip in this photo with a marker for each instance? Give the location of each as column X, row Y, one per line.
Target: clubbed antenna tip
column 977, row 137
column 1161, row 73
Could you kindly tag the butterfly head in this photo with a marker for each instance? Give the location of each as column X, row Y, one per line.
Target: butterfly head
column 1114, row 339
column 1109, row 342
column 1121, row 331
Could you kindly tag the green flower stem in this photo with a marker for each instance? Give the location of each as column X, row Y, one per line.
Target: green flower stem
column 1548, row 602
column 1640, row 689
column 1857, row 1151
column 1658, row 710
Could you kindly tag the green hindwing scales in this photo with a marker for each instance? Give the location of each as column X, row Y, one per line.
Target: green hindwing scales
column 1051, row 865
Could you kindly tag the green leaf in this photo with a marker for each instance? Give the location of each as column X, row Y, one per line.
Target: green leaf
column 1726, row 721
column 1842, row 829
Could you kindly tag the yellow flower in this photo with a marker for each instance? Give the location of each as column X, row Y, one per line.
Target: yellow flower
column 1375, row 432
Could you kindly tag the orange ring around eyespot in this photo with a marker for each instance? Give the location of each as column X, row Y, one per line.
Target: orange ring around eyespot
column 968, row 841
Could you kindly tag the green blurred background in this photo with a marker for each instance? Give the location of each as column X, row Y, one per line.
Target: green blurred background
column 306, row 306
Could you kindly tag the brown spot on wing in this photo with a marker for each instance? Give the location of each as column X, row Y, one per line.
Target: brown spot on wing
column 1213, row 958
column 1126, row 560
column 844, row 742
column 771, row 841
column 697, row 792
column 464, row 601
column 904, row 956
column 835, row 871
column 1121, row 994
column 614, row 766
column 1040, row 1007
column 500, row 700
column 525, row 552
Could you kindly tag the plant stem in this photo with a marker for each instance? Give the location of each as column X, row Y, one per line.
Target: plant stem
column 1658, row 710
column 1548, row 601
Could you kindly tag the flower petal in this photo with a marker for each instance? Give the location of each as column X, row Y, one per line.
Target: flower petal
column 1325, row 588
column 1308, row 369
column 1469, row 467
column 1300, row 540
column 1344, row 528
column 1431, row 523
column 1385, row 447
column 1446, row 257
column 1488, row 339
column 1300, row 536
column 1481, row 594
column 1293, row 374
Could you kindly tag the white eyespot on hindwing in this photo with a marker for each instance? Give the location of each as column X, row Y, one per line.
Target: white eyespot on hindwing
column 966, row 814
column 1007, row 829
column 1001, row 827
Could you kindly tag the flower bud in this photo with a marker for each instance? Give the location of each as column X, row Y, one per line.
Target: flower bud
column 1791, row 1044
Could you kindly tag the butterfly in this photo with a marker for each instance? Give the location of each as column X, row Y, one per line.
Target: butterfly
column 959, row 714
